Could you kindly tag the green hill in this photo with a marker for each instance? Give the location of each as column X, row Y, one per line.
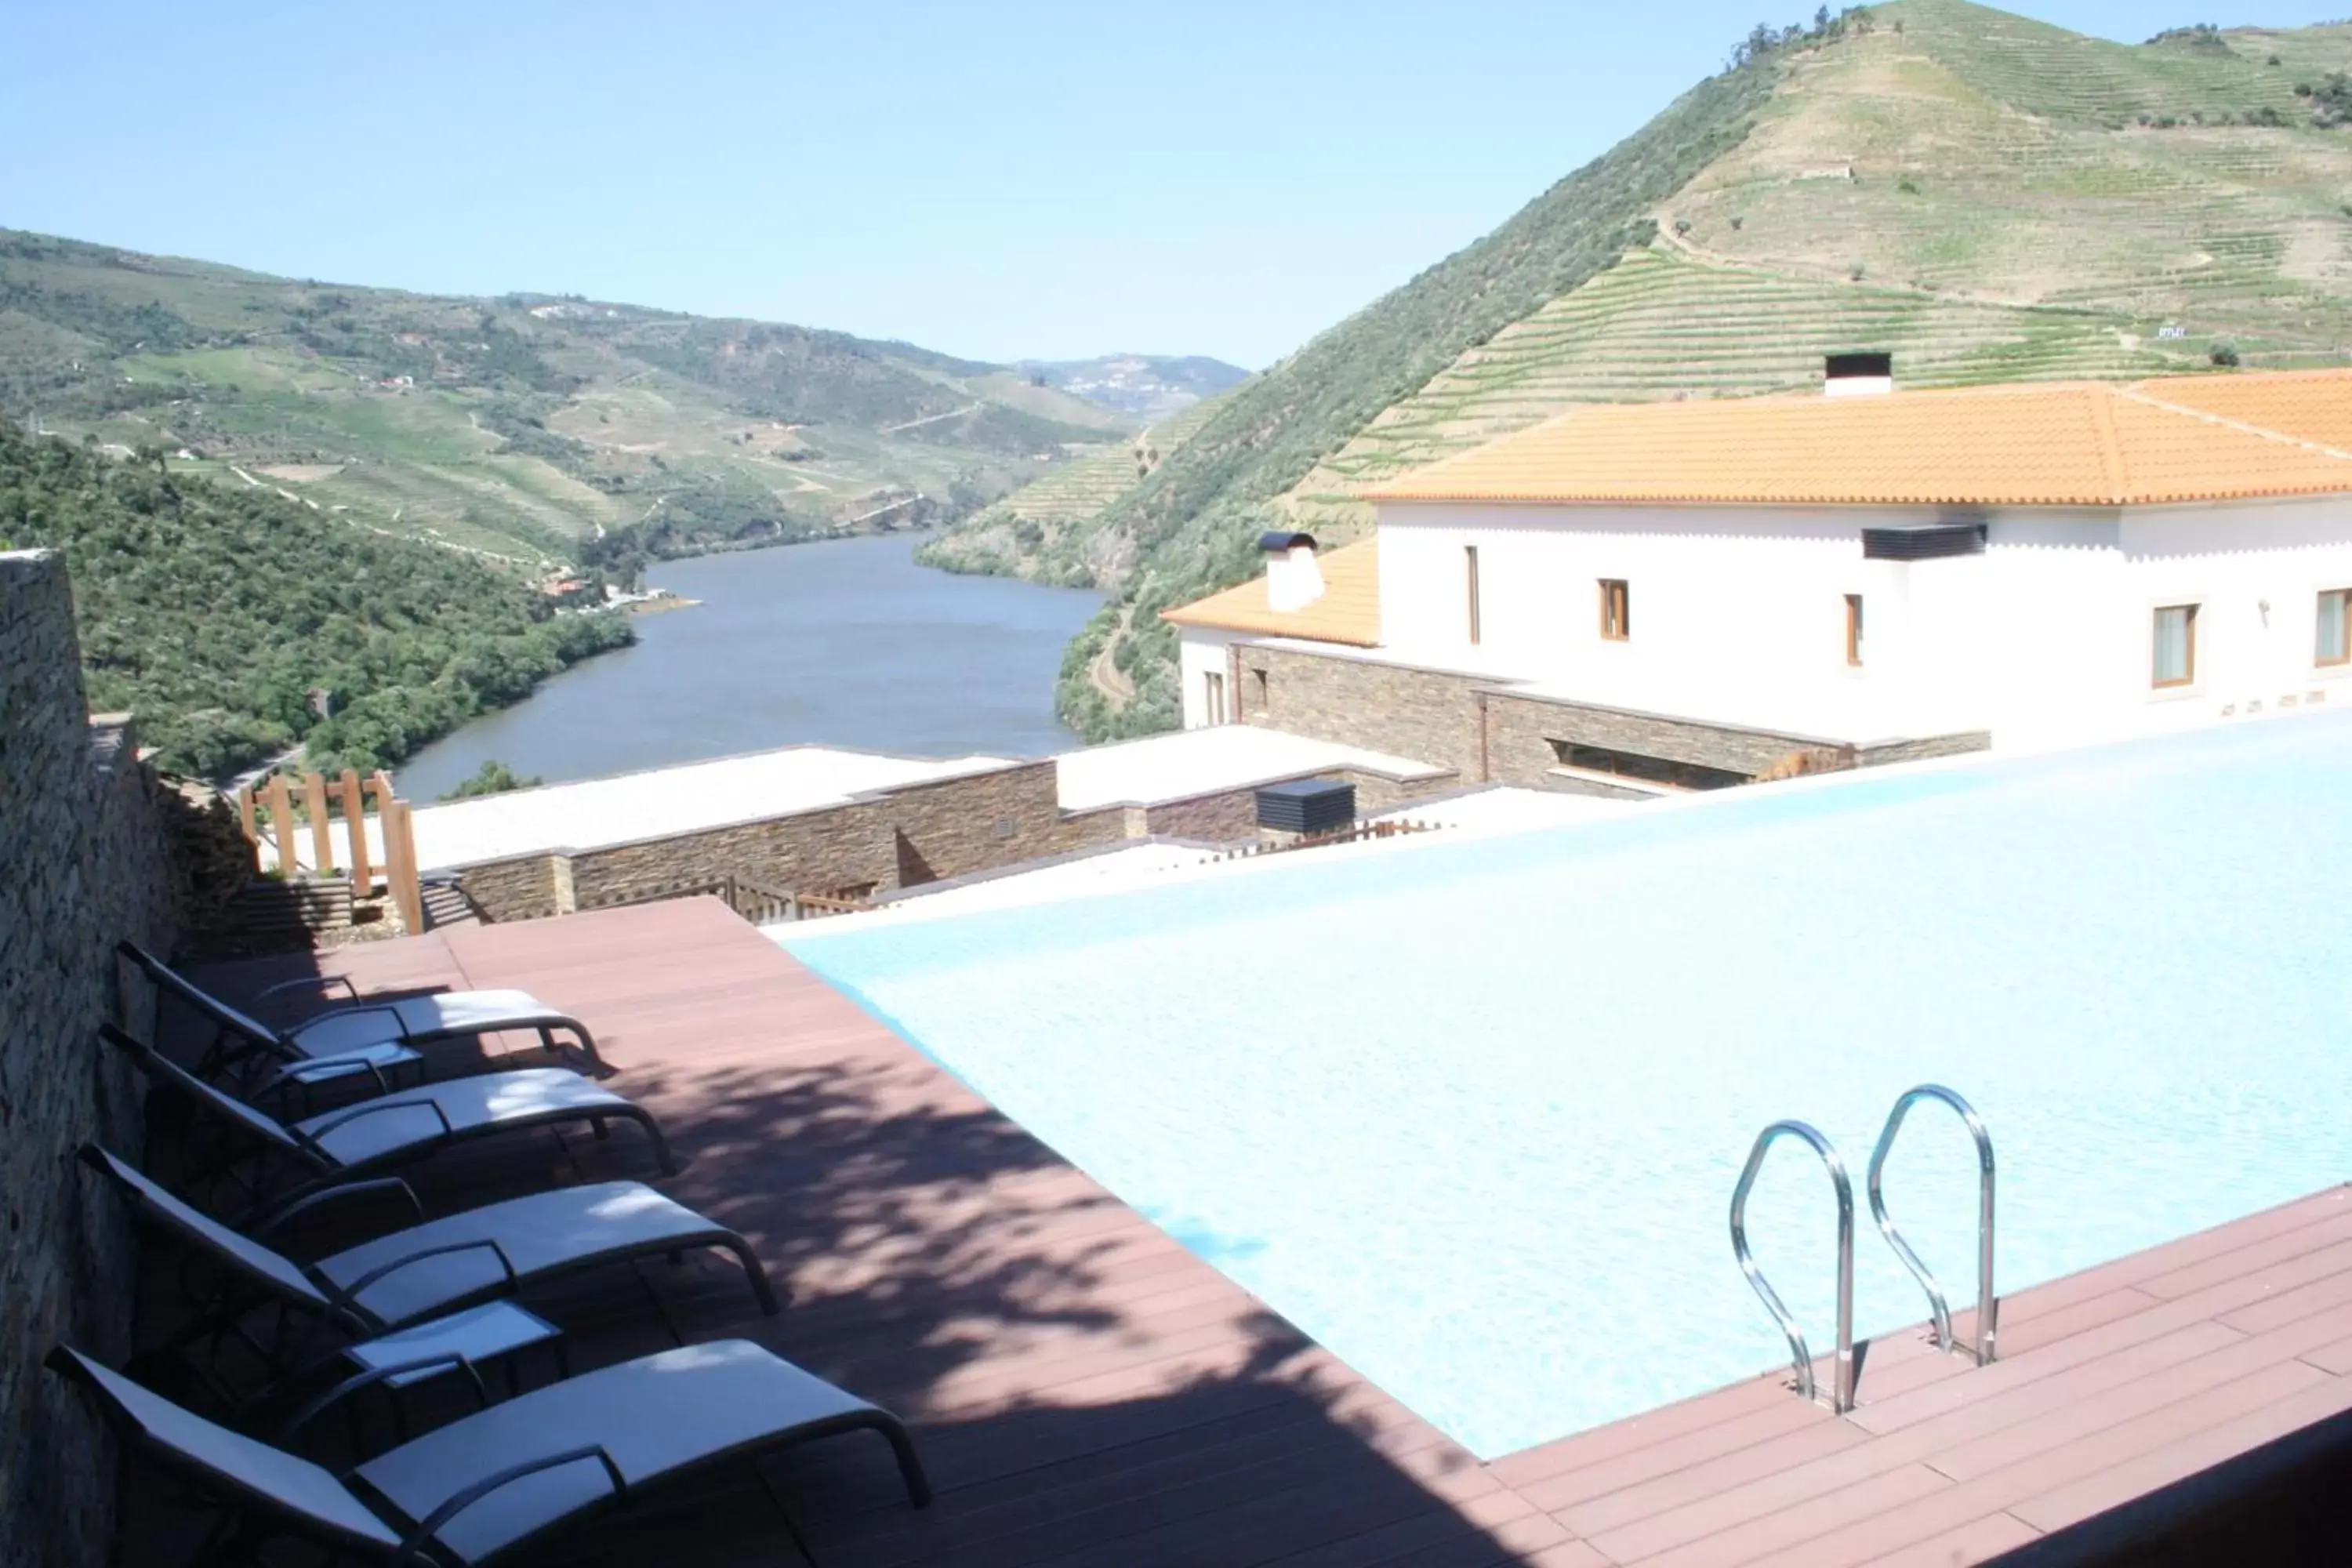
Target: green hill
column 227, row 617
column 521, row 426
column 1988, row 197
column 1053, row 529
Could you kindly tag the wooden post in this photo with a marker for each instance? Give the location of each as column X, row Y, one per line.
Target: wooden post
column 281, row 825
column 355, row 829
column 400, row 858
column 245, row 810
column 322, row 839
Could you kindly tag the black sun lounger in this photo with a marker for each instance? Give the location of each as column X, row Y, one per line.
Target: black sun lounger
column 467, row 1492
column 408, row 1124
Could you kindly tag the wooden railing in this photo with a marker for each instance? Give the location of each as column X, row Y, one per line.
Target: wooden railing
column 755, row 902
column 286, row 809
column 1354, row 834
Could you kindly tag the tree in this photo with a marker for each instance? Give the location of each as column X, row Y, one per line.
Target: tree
column 493, row 777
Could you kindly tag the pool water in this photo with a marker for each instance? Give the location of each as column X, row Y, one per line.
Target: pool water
column 1470, row 1113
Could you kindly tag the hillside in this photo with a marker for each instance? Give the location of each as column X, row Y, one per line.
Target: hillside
column 1053, row 529
column 1147, row 386
column 226, row 617
column 1990, row 199
column 521, row 426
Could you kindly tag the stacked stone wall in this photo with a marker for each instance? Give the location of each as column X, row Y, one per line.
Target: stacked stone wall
column 83, row 862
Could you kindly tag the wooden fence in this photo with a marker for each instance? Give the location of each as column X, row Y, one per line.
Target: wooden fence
column 286, row 809
column 755, row 902
column 1354, row 834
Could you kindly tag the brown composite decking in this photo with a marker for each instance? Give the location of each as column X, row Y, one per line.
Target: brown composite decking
column 1087, row 1392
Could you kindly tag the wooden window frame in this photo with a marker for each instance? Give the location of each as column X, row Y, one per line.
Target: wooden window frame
column 2189, row 674
column 1854, row 631
column 2340, row 660
column 1616, row 610
column 1470, row 582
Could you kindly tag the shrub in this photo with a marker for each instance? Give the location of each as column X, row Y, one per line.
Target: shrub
column 2225, row 354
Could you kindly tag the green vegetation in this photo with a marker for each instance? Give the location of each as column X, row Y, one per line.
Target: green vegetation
column 493, row 777
column 521, row 426
column 1988, row 197
column 229, row 619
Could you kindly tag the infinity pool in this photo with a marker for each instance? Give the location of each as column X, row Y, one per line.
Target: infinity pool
column 1470, row 1113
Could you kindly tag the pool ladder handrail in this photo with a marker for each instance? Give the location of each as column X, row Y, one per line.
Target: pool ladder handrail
column 1842, row 1393
column 1988, row 1304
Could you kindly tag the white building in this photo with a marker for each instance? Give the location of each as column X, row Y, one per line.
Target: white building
column 2040, row 564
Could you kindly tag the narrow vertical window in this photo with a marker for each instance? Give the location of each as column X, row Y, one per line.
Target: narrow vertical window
column 1470, row 576
column 1616, row 610
column 2176, row 646
column 1213, row 692
column 2335, row 641
column 1854, row 630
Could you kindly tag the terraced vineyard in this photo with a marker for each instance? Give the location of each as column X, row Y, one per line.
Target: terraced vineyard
column 1052, row 529
column 1660, row 325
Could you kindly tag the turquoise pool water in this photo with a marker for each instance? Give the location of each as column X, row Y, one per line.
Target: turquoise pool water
column 1470, row 1114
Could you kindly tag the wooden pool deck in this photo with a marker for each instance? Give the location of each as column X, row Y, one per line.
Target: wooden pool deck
column 1087, row 1392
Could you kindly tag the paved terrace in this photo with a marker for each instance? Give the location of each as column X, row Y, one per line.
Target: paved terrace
column 1087, row 1392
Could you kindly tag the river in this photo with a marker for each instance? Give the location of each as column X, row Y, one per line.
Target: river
column 844, row 642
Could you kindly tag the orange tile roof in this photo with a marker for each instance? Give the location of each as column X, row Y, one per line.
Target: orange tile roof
column 2063, row 444
column 1349, row 612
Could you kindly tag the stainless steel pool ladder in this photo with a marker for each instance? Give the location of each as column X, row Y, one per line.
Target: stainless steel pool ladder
column 1988, row 1304
column 1842, row 1393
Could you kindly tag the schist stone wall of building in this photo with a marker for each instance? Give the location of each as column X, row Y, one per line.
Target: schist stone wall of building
column 1491, row 733
column 898, row 838
column 83, row 863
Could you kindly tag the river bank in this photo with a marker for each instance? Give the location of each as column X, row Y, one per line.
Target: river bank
column 842, row 642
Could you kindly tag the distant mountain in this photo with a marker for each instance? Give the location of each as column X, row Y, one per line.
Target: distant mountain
column 1988, row 197
column 531, row 427
column 1146, row 386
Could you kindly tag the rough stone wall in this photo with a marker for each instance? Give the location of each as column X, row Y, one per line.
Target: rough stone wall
column 1428, row 715
column 1953, row 745
column 1521, row 731
column 896, row 838
column 83, row 862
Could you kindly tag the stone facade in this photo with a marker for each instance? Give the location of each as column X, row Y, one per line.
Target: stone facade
column 1490, row 732
column 83, row 862
column 893, row 838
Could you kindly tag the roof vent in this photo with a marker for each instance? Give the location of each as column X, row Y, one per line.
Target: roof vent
column 1858, row 374
column 1293, row 579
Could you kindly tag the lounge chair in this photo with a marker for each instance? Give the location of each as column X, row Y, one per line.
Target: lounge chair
column 466, row 1492
column 344, row 1041
column 443, row 1264
column 407, row 1124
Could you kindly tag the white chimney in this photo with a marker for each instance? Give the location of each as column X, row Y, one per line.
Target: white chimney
column 1858, row 375
column 1292, row 580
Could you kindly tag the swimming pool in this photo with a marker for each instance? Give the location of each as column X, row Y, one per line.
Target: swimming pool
column 1470, row 1113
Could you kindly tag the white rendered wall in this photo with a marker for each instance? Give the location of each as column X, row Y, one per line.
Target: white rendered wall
column 1200, row 654
column 1739, row 614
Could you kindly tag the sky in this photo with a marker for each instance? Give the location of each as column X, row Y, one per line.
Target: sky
column 999, row 179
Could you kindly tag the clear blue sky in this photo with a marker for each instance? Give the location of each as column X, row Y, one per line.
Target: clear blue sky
column 1002, row 179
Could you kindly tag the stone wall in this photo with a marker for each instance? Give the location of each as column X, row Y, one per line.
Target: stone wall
column 1428, row 715
column 1489, row 733
column 83, row 862
column 900, row 838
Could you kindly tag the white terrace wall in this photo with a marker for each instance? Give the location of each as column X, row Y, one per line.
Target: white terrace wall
column 82, row 863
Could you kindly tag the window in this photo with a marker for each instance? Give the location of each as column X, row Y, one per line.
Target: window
column 2174, row 662
column 1854, row 630
column 1212, row 690
column 1470, row 568
column 2334, row 645
column 1649, row 770
column 1616, row 618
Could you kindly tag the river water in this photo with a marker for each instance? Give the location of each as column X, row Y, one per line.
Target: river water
column 845, row 642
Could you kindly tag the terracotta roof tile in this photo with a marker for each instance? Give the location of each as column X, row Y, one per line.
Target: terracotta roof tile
column 2065, row 444
column 1349, row 612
